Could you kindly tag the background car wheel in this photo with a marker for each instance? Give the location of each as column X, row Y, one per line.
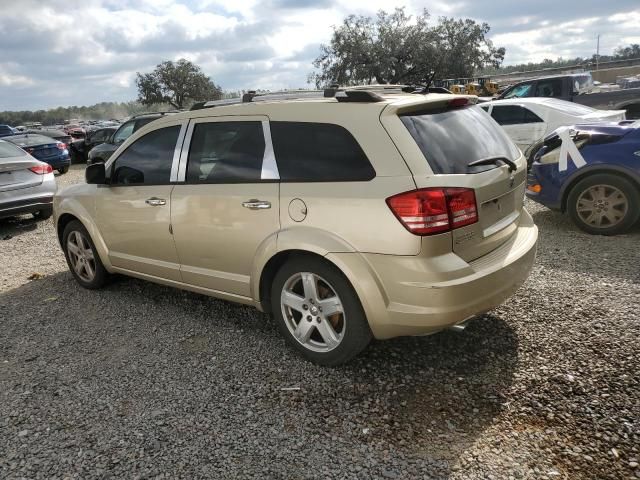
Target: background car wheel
column 63, row 170
column 318, row 311
column 604, row 204
column 82, row 257
column 43, row 214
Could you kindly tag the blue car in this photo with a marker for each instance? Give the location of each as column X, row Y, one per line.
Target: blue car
column 597, row 182
column 45, row 149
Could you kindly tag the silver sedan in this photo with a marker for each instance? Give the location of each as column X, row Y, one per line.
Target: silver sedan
column 27, row 185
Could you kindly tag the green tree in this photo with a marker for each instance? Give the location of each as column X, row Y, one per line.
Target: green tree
column 176, row 83
column 396, row 48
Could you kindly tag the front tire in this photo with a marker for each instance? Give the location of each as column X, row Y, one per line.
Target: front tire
column 318, row 311
column 82, row 257
column 604, row 204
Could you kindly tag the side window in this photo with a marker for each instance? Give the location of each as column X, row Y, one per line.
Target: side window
column 123, row 132
column 147, row 161
column 549, row 88
column 318, row 152
column 485, row 107
column 226, row 152
column 530, row 117
column 513, row 115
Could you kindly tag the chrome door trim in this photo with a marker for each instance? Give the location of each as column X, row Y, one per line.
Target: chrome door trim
column 269, row 165
column 182, row 165
column 177, row 152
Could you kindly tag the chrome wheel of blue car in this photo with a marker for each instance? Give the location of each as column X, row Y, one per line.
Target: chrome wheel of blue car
column 602, row 206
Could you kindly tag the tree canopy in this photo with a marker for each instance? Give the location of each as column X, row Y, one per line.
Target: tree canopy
column 397, row 48
column 176, row 83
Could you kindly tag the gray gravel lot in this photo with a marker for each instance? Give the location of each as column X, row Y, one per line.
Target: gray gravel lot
column 143, row 381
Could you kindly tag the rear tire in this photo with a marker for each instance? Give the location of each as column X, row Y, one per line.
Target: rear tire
column 82, row 257
column 301, row 290
column 63, row 170
column 604, row 204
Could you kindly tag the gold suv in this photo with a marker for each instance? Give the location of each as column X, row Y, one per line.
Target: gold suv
column 346, row 214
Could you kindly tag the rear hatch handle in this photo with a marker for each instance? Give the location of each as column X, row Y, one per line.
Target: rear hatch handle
column 488, row 161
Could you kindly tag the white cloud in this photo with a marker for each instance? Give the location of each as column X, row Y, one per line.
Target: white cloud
column 53, row 54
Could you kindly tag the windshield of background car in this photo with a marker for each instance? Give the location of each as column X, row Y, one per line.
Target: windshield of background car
column 519, row 91
column 8, row 150
column 450, row 139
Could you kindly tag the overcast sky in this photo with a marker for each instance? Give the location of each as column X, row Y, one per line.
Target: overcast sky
column 64, row 52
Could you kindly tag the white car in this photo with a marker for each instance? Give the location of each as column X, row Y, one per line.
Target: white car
column 529, row 119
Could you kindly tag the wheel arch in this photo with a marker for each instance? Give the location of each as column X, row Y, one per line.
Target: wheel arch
column 70, row 211
column 581, row 174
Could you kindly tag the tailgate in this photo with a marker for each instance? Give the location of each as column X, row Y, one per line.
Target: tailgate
column 442, row 143
column 15, row 174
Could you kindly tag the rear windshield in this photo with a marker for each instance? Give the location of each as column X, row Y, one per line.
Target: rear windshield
column 8, row 150
column 451, row 139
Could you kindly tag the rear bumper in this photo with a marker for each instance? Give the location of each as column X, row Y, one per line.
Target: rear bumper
column 422, row 295
column 26, row 205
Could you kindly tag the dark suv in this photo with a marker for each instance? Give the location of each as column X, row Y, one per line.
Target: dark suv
column 102, row 152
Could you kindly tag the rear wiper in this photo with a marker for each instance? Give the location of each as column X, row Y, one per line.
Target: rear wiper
column 488, row 161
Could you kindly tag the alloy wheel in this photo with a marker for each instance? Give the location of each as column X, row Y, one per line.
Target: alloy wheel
column 81, row 256
column 602, row 206
column 313, row 312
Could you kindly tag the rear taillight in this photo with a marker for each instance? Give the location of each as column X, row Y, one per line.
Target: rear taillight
column 61, row 146
column 42, row 169
column 434, row 210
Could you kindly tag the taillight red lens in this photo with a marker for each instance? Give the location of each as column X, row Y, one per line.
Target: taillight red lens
column 458, row 102
column 462, row 206
column 434, row 210
column 42, row 169
column 61, row 146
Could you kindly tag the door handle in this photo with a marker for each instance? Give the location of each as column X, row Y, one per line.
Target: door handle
column 155, row 201
column 255, row 204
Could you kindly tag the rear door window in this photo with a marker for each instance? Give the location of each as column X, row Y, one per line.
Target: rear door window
column 318, row 152
column 450, row 139
column 226, row 152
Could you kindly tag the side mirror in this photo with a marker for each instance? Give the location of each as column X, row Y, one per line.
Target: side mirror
column 95, row 174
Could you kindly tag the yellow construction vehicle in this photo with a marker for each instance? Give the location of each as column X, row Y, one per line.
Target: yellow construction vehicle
column 472, row 88
column 457, row 88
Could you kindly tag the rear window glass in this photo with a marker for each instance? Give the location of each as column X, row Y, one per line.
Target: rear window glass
column 318, row 152
column 8, row 150
column 451, row 139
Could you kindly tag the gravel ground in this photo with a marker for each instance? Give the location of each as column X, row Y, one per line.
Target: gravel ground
column 143, row 381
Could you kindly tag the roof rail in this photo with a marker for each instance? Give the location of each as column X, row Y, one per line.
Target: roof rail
column 362, row 93
column 153, row 113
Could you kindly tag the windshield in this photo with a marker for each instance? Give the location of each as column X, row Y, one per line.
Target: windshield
column 519, row 91
column 8, row 150
column 451, row 139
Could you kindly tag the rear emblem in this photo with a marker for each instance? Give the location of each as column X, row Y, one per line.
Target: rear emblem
column 637, row 154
